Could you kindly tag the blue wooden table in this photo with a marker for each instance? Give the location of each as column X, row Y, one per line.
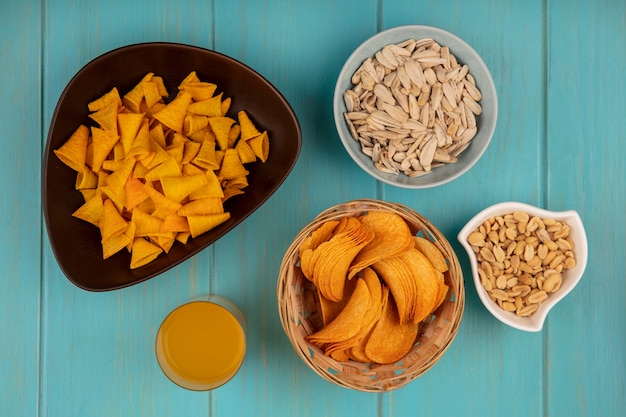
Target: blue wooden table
column 559, row 67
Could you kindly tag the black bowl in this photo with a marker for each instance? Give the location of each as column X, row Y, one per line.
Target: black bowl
column 75, row 243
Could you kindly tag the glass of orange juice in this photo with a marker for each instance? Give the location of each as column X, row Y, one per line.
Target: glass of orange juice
column 201, row 344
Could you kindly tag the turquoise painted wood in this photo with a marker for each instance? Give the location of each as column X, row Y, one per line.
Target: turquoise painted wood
column 559, row 70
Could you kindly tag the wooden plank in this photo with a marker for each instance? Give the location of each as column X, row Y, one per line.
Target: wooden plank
column 487, row 356
column 98, row 351
column 20, row 121
column 586, row 107
column 300, row 49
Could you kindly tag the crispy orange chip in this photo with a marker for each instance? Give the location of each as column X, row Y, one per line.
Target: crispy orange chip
column 175, row 223
column 206, row 157
column 199, row 90
column 391, row 236
column 143, row 252
column 112, row 96
column 231, row 166
column 86, row 179
column 152, row 173
column 178, row 187
column 211, row 107
column 260, row 146
column 193, row 123
column 221, row 128
column 432, row 252
column 103, row 143
column 426, row 281
column 248, row 129
column 210, row 205
column 199, row 224
column 331, row 259
column 73, row 152
column 173, row 114
column 106, row 117
column 390, row 340
column 348, row 321
column 133, row 99
column 91, row 211
column 246, row 154
column 112, row 223
column 129, row 124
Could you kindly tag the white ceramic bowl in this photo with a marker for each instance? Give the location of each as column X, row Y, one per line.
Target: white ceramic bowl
column 464, row 54
column 571, row 277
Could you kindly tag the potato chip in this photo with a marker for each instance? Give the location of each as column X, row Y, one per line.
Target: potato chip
column 331, row 309
column 390, row 340
column 319, row 235
column 432, row 252
column 391, row 236
column 331, row 259
column 425, row 277
column 357, row 352
column 348, row 321
column 369, row 319
column 73, row 152
column 397, row 275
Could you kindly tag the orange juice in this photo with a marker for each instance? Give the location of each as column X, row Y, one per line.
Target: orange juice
column 201, row 345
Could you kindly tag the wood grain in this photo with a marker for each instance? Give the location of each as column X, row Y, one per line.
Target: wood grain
column 559, row 143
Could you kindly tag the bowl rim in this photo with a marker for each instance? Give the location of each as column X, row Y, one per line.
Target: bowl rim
column 138, row 276
column 535, row 322
column 339, row 106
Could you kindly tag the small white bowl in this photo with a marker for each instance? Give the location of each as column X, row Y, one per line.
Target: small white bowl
column 571, row 277
column 465, row 54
